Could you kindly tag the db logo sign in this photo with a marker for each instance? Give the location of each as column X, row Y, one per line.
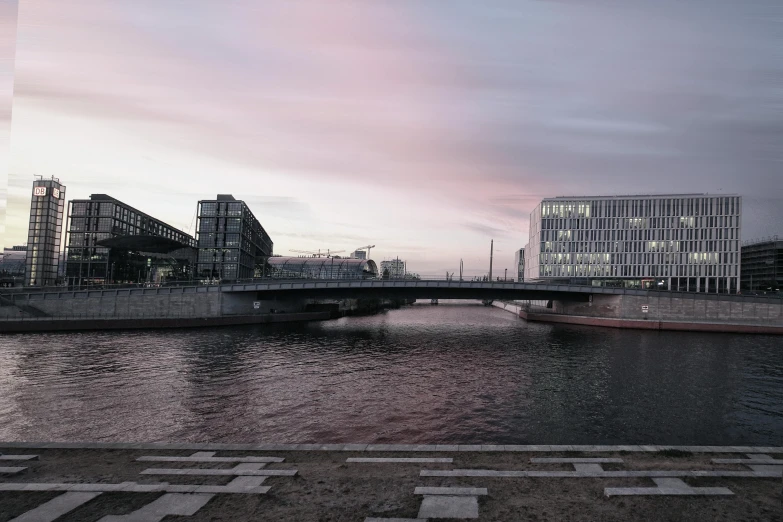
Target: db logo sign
column 39, row 191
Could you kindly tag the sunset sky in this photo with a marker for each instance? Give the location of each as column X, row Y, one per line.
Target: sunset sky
column 426, row 128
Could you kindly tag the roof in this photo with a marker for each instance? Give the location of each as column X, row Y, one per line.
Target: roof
column 156, row 244
column 106, row 197
column 640, row 196
column 324, row 267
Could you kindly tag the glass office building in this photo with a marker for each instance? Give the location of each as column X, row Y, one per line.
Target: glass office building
column 232, row 244
column 109, row 241
column 681, row 242
column 762, row 265
column 44, row 233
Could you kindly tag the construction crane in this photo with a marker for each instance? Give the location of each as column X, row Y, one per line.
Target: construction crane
column 368, row 247
column 318, row 253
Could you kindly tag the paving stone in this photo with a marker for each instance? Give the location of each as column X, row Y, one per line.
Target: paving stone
column 307, row 447
column 331, row 447
column 562, row 448
column 448, row 507
column 492, row 447
column 423, row 490
column 759, row 456
column 768, row 461
column 537, row 448
column 228, row 489
column 373, row 519
column 425, row 447
column 670, row 482
column 355, row 447
column 650, row 448
column 588, row 468
column 18, row 457
column 203, row 454
column 11, row 470
column 668, row 487
column 246, row 482
column 55, row 508
column 603, row 474
column 245, row 466
column 169, row 504
column 221, row 472
column 210, row 459
column 742, row 449
column 401, row 460
column 576, row 460
column 470, row 447
column 771, row 469
column 380, row 447
column 447, row 447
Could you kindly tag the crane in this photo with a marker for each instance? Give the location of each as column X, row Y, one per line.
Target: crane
column 368, row 247
column 318, row 253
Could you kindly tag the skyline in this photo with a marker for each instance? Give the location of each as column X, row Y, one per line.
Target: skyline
column 422, row 130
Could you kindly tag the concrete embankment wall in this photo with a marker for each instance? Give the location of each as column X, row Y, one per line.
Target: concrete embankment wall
column 166, row 307
column 668, row 312
column 668, row 307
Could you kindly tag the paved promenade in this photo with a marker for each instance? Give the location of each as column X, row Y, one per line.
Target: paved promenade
column 386, row 483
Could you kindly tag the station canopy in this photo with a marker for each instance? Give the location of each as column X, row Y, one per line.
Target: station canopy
column 322, row 268
column 139, row 243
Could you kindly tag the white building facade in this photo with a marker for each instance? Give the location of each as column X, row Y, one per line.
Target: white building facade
column 680, row 242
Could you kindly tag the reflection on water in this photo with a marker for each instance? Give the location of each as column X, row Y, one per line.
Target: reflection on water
column 455, row 373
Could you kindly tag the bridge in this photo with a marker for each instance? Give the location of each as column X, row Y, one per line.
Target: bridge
column 359, row 289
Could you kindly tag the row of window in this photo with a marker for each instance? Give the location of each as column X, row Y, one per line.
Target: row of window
column 693, row 258
column 638, row 235
column 642, row 207
column 673, row 223
column 634, row 271
column 638, row 246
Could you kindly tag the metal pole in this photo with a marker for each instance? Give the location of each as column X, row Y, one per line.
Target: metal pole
column 491, row 252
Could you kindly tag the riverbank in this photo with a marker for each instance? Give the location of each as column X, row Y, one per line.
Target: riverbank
column 356, row 482
column 636, row 324
column 547, row 316
column 49, row 324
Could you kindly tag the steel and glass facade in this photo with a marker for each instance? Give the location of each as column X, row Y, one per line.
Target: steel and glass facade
column 519, row 263
column 684, row 242
column 322, row 268
column 232, row 244
column 45, row 232
column 109, row 241
column 762, row 265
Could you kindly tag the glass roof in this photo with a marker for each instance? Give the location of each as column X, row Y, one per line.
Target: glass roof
column 323, row 267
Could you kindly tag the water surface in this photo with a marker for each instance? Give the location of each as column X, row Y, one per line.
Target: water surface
column 453, row 373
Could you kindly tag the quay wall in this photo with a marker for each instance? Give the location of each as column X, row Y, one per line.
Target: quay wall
column 666, row 307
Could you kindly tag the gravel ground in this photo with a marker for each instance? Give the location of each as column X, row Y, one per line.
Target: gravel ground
column 329, row 489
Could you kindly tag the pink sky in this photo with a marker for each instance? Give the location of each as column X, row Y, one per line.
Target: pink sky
column 423, row 131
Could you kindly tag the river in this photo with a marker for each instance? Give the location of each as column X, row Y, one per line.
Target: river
column 456, row 373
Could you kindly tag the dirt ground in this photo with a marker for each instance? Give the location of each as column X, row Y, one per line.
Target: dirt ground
column 327, row 488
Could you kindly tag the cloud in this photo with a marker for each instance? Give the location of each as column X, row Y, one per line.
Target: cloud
column 407, row 122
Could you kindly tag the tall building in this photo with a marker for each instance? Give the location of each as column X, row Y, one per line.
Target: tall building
column 109, row 241
column 360, row 254
column 762, row 265
column 519, row 263
column 392, row 269
column 44, row 234
column 232, row 244
column 682, row 242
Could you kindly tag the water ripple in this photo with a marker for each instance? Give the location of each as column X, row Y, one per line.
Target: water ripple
column 445, row 374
